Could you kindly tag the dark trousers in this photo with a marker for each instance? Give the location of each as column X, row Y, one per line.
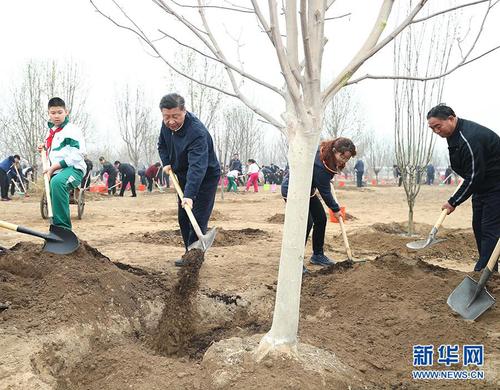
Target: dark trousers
column 359, row 178
column 202, row 209
column 125, row 180
column 111, row 183
column 317, row 222
column 486, row 224
column 150, row 183
column 4, row 184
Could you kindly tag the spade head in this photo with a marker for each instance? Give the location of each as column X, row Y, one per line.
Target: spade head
column 204, row 241
column 421, row 244
column 462, row 301
column 60, row 241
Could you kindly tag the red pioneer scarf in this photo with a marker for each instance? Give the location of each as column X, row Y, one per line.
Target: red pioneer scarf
column 52, row 133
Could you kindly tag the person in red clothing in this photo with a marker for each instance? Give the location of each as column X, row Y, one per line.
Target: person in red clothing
column 152, row 175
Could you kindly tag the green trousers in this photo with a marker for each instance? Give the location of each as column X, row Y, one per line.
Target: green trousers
column 231, row 184
column 60, row 186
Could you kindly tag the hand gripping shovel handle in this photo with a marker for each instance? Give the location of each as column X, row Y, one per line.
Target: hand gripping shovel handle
column 46, row 182
column 444, row 212
column 189, row 212
column 342, row 228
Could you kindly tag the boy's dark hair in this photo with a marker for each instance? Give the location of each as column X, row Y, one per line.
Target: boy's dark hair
column 56, row 102
column 102, row 158
column 16, row 156
column 251, row 160
column 117, row 162
column 172, row 100
column 441, row 111
column 157, row 164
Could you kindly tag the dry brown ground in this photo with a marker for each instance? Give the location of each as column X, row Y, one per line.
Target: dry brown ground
column 369, row 316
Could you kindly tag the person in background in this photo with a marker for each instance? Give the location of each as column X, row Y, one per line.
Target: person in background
column 151, row 175
column 253, row 175
column 359, row 168
column 6, row 170
column 127, row 173
column 474, row 155
column 235, row 164
column 430, row 171
column 331, row 158
column 108, row 168
column 232, row 176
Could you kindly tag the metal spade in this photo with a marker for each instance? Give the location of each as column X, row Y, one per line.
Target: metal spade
column 59, row 240
column 471, row 299
column 205, row 241
column 431, row 240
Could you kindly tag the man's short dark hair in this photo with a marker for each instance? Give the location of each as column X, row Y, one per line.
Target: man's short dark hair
column 172, row 100
column 117, row 162
column 441, row 111
column 157, row 164
column 102, row 158
column 56, row 102
column 16, row 157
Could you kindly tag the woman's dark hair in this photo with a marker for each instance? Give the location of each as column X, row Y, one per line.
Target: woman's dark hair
column 441, row 111
column 252, row 161
column 329, row 148
column 172, row 100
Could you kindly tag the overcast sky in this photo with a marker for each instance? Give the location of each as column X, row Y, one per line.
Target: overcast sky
column 111, row 57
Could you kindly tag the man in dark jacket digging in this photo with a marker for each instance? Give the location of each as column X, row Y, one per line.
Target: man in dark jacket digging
column 186, row 147
column 127, row 173
column 475, row 156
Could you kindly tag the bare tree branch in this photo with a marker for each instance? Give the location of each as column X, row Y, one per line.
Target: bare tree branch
column 370, row 47
column 449, row 10
column 242, row 9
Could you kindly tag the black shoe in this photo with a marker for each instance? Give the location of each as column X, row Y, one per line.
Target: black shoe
column 321, row 260
column 180, row 263
column 133, row 196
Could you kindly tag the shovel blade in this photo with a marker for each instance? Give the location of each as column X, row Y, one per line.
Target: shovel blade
column 421, row 244
column 205, row 241
column 460, row 300
column 60, row 241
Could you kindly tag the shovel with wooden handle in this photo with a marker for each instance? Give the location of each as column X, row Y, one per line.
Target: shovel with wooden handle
column 431, row 239
column 205, row 241
column 344, row 234
column 61, row 240
column 471, row 299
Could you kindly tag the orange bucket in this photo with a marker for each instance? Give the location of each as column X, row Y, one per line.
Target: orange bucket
column 341, row 183
column 374, row 182
column 141, row 187
column 332, row 216
column 98, row 188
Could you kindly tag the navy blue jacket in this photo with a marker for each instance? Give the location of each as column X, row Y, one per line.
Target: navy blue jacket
column 359, row 166
column 320, row 181
column 190, row 153
column 475, row 156
column 126, row 169
column 7, row 163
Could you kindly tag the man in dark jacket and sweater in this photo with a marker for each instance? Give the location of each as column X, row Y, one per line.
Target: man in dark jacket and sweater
column 186, row 147
column 108, row 168
column 475, row 156
column 7, row 171
column 127, row 173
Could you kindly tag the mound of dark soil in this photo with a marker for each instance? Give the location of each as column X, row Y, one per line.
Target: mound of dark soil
column 372, row 314
column 276, row 218
column 45, row 290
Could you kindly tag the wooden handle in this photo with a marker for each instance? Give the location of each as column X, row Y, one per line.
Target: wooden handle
column 494, row 256
column 189, row 212
column 342, row 227
column 46, row 182
column 441, row 218
column 8, row 225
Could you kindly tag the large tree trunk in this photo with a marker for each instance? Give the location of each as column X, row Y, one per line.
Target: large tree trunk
column 283, row 334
